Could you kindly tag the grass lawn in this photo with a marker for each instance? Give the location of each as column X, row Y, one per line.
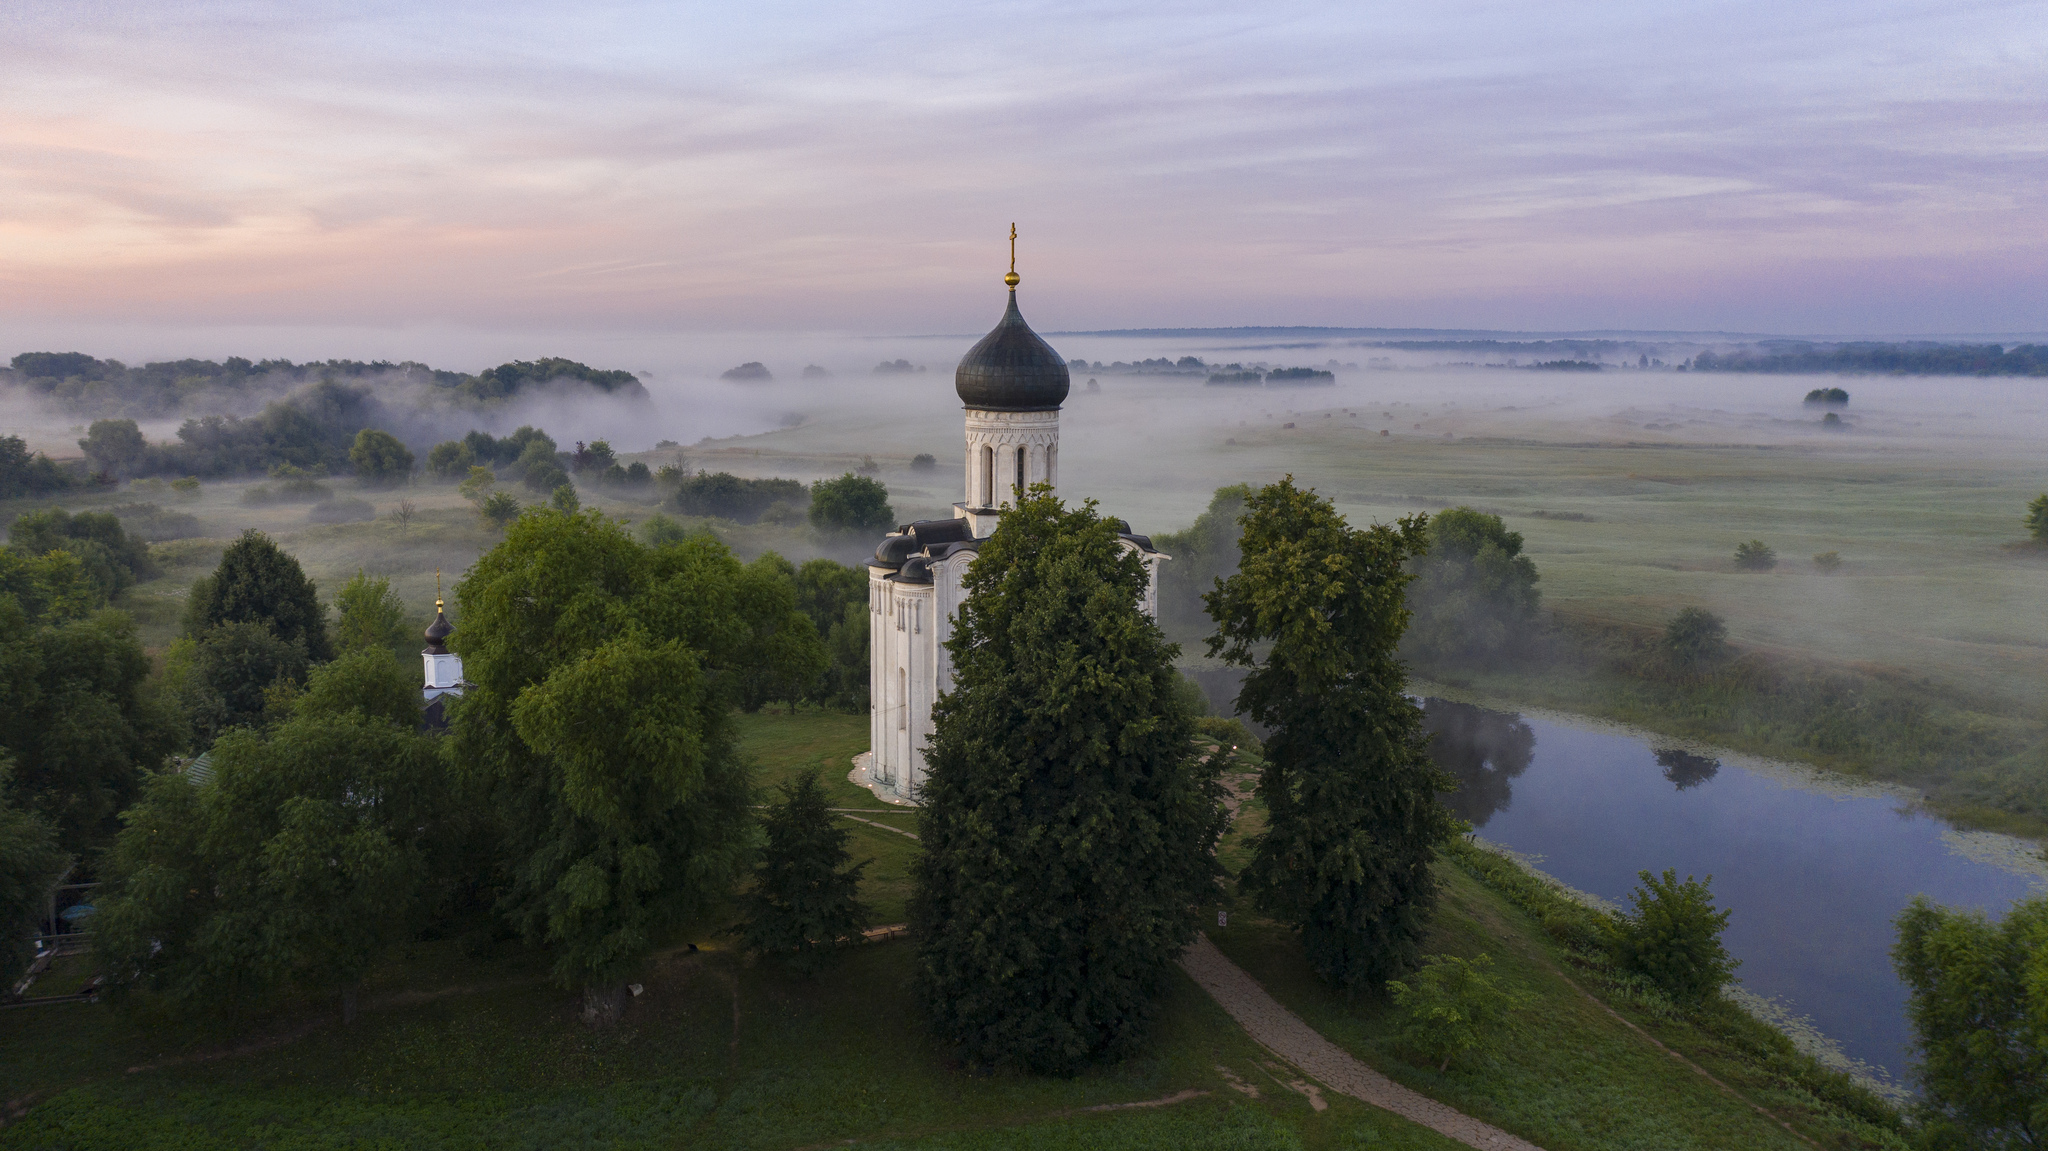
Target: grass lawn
column 455, row 1050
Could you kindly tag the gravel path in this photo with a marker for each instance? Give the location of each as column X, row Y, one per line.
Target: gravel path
column 1284, row 1034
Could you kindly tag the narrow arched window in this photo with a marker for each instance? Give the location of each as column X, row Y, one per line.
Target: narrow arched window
column 988, row 476
column 1021, row 481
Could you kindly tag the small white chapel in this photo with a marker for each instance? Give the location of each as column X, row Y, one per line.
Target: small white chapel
column 1011, row 384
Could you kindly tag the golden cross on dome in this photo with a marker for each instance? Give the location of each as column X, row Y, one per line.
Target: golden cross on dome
column 1012, row 278
column 438, row 605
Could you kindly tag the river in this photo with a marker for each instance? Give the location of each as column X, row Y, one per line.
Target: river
column 1814, row 865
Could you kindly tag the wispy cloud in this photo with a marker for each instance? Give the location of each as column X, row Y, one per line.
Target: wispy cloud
column 1842, row 166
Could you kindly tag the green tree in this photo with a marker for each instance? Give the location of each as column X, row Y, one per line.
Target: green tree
column 476, row 486
column 499, row 509
column 1454, row 1005
column 1673, row 937
column 1979, row 1006
column 369, row 615
column 368, row 681
column 380, row 459
column 225, row 678
column 791, row 658
column 299, row 866
column 259, row 582
column 2037, row 517
column 26, row 473
column 30, row 862
column 1314, row 613
column 83, row 722
column 1755, row 556
column 850, row 504
column 1695, row 638
column 599, row 729
column 1203, row 554
column 834, row 597
column 450, row 460
column 115, row 447
column 110, row 557
column 804, row 905
column 53, row 587
column 1474, row 595
column 564, row 499
column 1069, row 824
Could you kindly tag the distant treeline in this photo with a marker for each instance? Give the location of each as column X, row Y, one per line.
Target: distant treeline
column 89, row 386
column 1572, row 349
column 1914, row 359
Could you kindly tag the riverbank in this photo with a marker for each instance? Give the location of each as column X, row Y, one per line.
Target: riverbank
column 1975, row 766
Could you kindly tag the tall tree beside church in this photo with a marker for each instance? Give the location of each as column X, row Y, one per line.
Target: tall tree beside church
column 1068, row 824
column 600, row 730
column 1314, row 613
column 259, row 582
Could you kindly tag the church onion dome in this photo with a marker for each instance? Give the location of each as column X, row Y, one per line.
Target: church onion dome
column 439, row 631
column 893, row 550
column 916, row 569
column 1012, row 370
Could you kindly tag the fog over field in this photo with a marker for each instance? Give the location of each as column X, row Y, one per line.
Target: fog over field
column 1631, row 485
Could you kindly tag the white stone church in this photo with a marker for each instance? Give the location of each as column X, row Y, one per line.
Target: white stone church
column 1012, row 384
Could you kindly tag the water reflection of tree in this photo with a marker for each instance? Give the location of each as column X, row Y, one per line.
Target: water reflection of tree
column 1485, row 749
column 1684, row 769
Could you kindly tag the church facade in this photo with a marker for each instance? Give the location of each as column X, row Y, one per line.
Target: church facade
column 1011, row 385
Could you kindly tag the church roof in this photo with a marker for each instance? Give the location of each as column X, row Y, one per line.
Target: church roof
column 439, row 631
column 1012, row 369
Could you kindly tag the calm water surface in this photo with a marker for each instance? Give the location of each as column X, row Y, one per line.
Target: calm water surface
column 1813, row 871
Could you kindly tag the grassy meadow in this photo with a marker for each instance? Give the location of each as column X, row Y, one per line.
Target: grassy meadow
column 473, row 1049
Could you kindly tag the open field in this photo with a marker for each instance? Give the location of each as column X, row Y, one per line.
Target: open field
column 479, row 1050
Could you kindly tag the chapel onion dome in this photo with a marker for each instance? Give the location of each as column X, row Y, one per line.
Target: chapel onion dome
column 439, row 631
column 1011, row 369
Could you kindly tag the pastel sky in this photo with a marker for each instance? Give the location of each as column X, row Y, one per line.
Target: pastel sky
column 1844, row 166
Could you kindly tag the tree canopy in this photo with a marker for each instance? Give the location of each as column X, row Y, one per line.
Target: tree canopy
column 599, row 730
column 1474, row 595
column 379, row 458
column 1068, row 824
column 259, row 582
column 1313, row 615
column 849, row 504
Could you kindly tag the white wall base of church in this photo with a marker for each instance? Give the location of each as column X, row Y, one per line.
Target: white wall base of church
column 862, row 775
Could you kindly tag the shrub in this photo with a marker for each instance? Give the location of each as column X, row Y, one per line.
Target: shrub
column 1827, row 561
column 499, row 509
column 850, row 503
column 923, row 462
column 1695, row 637
column 1452, row 1006
column 187, row 488
column 564, row 499
column 727, row 496
column 802, row 908
column 1755, row 556
column 2037, row 517
column 1673, row 937
column 1827, row 398
column 543, row 478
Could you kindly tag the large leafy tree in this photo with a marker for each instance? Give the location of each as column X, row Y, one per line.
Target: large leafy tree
column 1474, row 595
column 790, row 658
column 369, row 615
column 1979, row 1007
column 1313, row 614
column 296, row 867
column 82, row 721
column 1069, row 824
column 30, row 862
column 599, row 729
column 259, row 582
